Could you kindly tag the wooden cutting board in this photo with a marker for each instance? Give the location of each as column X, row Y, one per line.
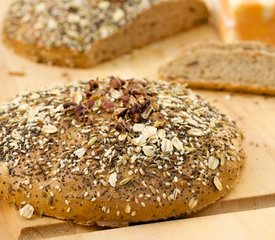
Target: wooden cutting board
column 247, row 213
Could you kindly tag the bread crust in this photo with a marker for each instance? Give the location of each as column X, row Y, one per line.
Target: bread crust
column 158, row 20
column 221, row 86
column 117, row 179
column 246, row 46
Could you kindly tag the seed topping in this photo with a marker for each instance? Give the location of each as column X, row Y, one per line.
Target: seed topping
column 112, row 138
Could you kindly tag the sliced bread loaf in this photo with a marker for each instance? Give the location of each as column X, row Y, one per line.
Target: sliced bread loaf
column 84, row 33
column 245, row 67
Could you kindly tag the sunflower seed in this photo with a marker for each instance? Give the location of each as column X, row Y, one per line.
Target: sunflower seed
column 192, row 122
column 218, row 183
column 125, row 181
column 141, row 172
column 193, row 203
column 177, row 120
column 222, row 161
column 92, row 141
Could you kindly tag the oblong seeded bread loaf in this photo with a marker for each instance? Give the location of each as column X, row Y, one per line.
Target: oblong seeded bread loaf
column 83, row 33
column 112, row 152
column 244, row 67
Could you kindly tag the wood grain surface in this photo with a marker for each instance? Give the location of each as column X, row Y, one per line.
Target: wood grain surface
column 248, row 225
column 247, row 213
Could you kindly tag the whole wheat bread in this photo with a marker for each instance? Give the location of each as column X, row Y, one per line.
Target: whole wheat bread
column 113, row 151
column 84, row 33
column 245, row 67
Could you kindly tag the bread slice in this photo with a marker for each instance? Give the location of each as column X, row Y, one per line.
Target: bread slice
column 85, row 33
column 116, row 151
column 244, row 67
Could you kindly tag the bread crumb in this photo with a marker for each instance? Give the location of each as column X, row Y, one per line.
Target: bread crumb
column 228, row 97
column 17, row 73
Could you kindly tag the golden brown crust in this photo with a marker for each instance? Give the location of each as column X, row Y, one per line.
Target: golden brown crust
column 58, row 56
column 232, row 87
column 101, row 39
column 123, row 151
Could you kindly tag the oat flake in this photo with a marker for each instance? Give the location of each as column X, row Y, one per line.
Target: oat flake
column 26, row 211
column 49, row 129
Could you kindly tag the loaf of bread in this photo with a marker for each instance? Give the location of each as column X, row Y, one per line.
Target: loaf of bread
column 244, row 19
column 244, row 67
column 115, row 151
column 83, row 33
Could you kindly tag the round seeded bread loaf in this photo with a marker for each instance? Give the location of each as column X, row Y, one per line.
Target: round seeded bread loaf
column 115, row 151
column 82, row 33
